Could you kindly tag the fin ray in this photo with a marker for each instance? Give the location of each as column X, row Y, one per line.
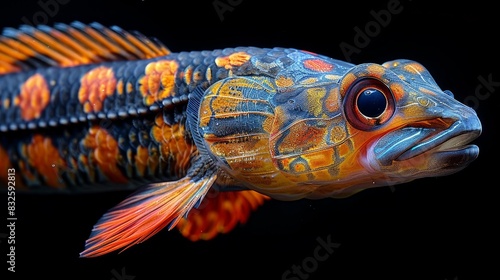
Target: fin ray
column 73, row 44
column 148, row 211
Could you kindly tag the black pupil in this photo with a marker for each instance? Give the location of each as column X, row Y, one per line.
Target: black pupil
column 371, row 103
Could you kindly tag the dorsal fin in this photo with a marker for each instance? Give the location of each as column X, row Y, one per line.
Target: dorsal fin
column 65, row 45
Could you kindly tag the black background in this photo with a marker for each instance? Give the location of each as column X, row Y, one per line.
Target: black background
column 433, row 228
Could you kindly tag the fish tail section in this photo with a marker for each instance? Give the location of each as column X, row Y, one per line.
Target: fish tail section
column 148, row 211
column 219, row 213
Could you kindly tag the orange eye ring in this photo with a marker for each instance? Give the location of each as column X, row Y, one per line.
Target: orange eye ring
column 368, row 104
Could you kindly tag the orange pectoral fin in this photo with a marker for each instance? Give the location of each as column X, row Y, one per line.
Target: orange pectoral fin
column 148, row 211
column 219, row 212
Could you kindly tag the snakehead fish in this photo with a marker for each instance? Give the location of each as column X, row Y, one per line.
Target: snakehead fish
column 202, row 138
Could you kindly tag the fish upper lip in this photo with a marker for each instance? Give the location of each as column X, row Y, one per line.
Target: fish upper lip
column 448, row 134
column 433, row 135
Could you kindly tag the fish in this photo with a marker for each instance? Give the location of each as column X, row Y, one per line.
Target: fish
column 201, row 139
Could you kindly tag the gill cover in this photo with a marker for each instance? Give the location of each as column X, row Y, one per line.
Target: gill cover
column 233, row 127
column 283, row 144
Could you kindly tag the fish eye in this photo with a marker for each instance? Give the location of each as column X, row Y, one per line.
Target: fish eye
column 369, row 103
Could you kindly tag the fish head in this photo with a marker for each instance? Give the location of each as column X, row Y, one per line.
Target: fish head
column 332, row 129
column 401, row 127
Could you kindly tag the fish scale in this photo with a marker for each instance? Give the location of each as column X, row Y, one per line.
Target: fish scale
column 130, row 135
column 64, row 88
column 202, row 138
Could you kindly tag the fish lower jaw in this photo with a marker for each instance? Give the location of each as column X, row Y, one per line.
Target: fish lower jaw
column 456, row 145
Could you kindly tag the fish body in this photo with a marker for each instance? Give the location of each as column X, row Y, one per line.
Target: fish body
column 205, row 137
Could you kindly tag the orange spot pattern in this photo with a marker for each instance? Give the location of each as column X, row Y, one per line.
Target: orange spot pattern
column 188, row 74
column 95, row 87
column 376, row 70
column 141, row 160
column 45, row 159
column 397, row 90
column 332, row 102
column 173, row 145
column 426, row 91
column 219, row 212
column 284, row 82
column 159, row 81
column 232, row 60
column 348, row 79
column 6, row 103
column 120, row 87
column 34, row 97
column 105, row 153
column 414, row 68
column 300, row 138
column 318, row 65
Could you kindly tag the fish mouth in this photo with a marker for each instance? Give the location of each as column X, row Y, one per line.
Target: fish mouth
column 447, row 140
